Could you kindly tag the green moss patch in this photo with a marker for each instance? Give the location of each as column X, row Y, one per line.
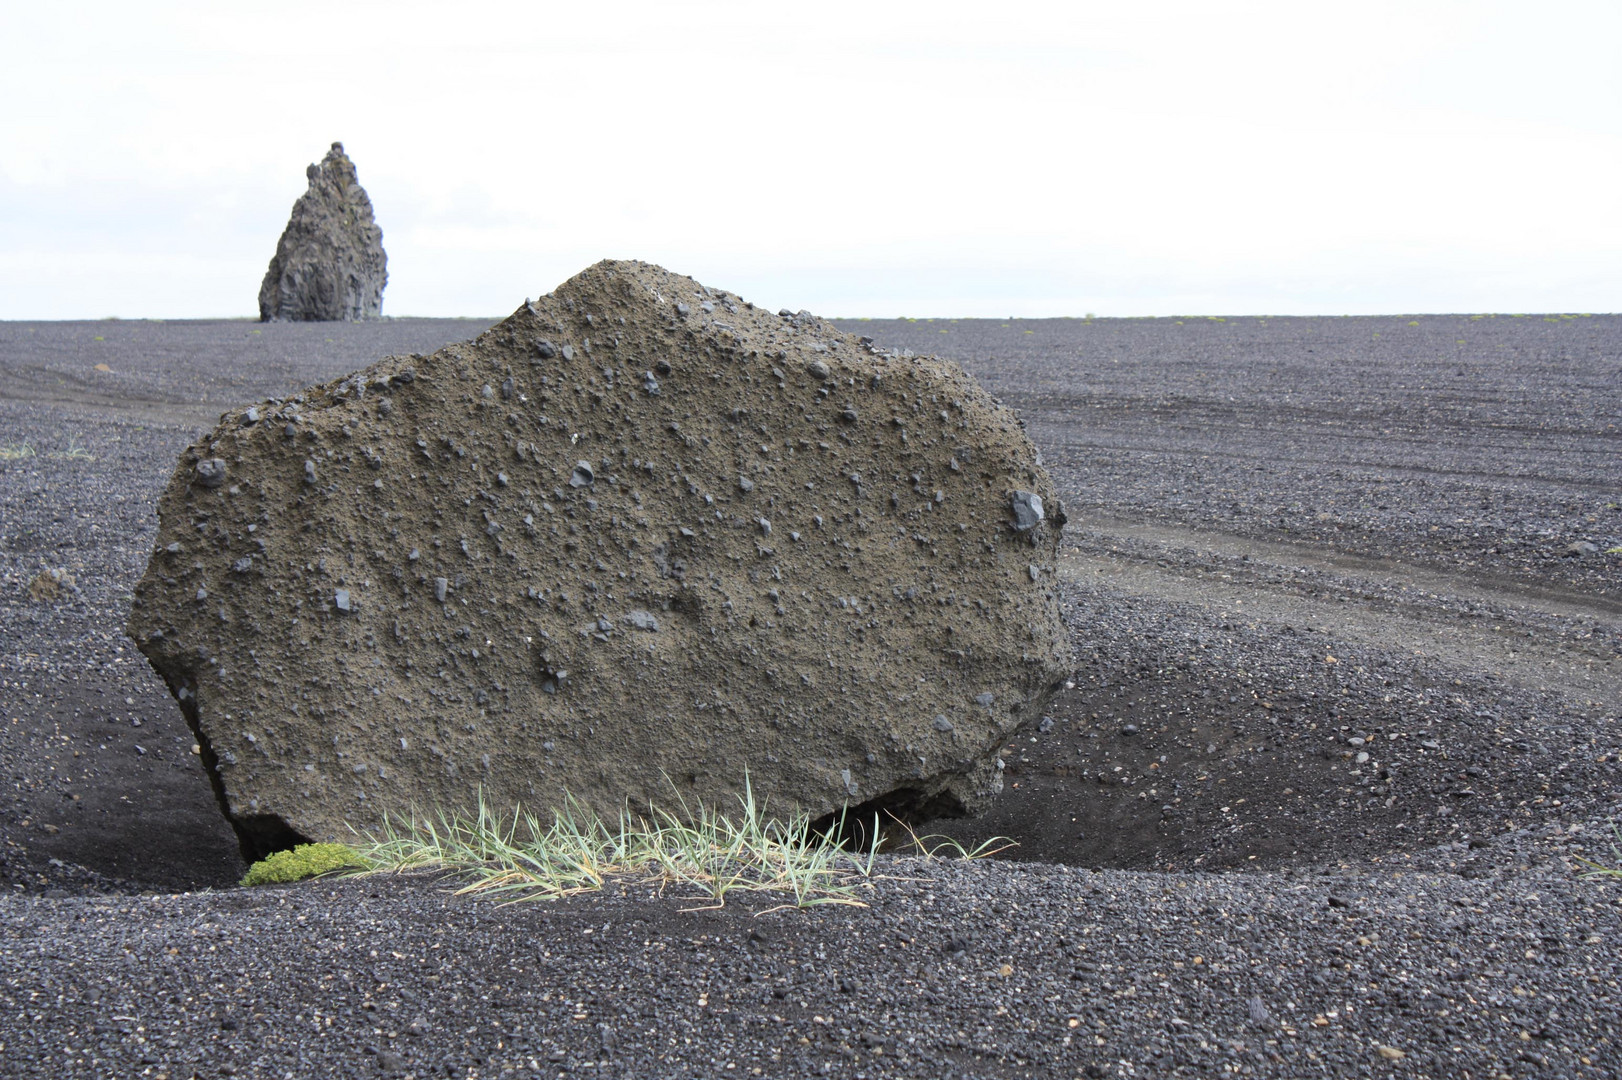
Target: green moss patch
column 304, row 861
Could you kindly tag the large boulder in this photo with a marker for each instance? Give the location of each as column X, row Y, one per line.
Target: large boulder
column 329, row 264
column 639, row 541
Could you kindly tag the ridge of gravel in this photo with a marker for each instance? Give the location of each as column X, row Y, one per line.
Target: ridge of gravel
column 953, row 969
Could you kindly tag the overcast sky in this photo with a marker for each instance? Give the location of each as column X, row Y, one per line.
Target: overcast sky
column 867, row 158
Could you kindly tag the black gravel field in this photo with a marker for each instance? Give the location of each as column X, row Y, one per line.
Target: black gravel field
column 1348, row 626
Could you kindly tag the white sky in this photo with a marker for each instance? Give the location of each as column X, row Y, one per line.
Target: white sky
column 854, row 158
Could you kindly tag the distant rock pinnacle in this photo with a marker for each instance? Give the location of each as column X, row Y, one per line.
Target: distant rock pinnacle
column 329, row 264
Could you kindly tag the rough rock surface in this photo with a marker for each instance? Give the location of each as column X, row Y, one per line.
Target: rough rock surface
column 638, row 540
column 329, row 264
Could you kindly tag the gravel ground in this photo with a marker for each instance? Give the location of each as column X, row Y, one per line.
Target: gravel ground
column 1294, row 542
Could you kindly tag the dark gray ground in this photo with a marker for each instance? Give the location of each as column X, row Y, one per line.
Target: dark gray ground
column 1285, row 535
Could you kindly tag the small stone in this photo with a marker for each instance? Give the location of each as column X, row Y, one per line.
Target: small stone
column 242, row 565
column 508, row 388
column 1391, row 1053
column 414, row 555
column 1130, row 729
column 582, row 475
column 341, row 601
column 501, row 478
column 818, row 370
column 568, row 352
column 1046, row 725
column 850, row 783
column 309, row 471
column 1035, row 571
column 650, row 385
column 643, row 620
column 1257, row 1008
column 765, row 526
column 251, row 416
column 683, row 310
column 488, row 392
column 942, row 724
column 442, row 589
column 1581, row 548
column 49, row 585
column 211, row 472
column 745, row 484
column 849, row 415
column 985, row 700
column 546, row 349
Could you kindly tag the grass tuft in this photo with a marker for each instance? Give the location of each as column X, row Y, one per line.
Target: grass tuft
column 708, row 854
column 1594, row 868
column 15, row 451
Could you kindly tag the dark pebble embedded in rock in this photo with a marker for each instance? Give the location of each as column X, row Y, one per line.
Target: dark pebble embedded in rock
column 1028, row 512
column 211, row 472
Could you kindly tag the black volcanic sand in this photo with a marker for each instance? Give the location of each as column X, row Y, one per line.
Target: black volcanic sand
column 1293, row 542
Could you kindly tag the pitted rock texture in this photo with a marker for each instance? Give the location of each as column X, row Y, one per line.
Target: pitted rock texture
column 329, row 264
column 640, row 540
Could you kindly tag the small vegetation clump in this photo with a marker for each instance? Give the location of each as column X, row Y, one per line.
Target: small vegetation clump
column 304, row 861
column 1595, row 868
column 709, row 853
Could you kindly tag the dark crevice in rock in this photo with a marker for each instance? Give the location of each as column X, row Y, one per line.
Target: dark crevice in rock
column 258, row 835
